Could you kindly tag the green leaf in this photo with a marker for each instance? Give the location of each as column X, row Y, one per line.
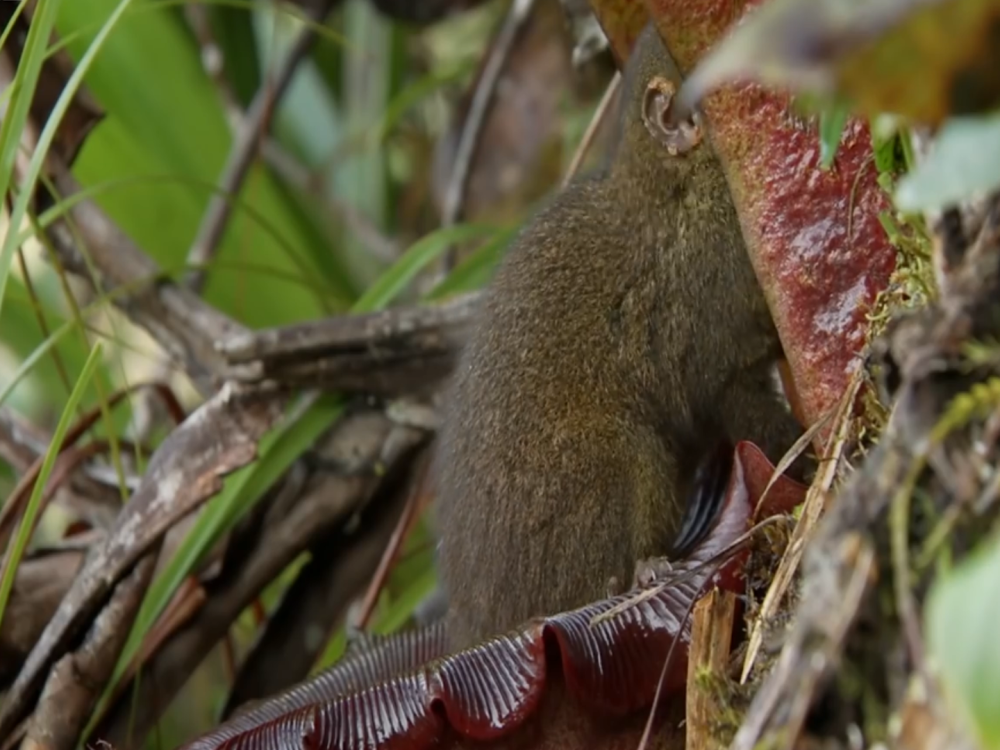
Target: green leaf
column 363, row 177
column 885, row 133
column 15, row 117
column 965, row 160
column 831, row 125
column 413, row 94
column 34, row 358
column 164, row 117
column 963, row 608
column 22, row 334
column 421, row 254
column 20, row 541
column 233, row 32
column 475, row 269
column 401, row 608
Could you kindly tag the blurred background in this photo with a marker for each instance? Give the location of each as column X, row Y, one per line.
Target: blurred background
column 359, row 163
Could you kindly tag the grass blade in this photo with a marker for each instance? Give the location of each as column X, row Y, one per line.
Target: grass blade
column 20, row 542
column 22, row 91
column 420, row 255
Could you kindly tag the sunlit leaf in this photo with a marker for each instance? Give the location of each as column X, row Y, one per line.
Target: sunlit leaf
column 965, row 160
column 963, row 608
column 420, row 255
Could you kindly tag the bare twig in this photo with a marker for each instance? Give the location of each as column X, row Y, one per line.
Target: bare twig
column 212, row 60
column 249, row 131
column 73, row 687
column 454, row 195
column 393, row 548
column 814, row 506
column 178, row 320
column 185, row 470
column 41, row 582
column 21, row 443
column 711, row 635
column 263, row 549
column 325, row 592
column 348, row 332
column 396, row 351
column 603, row 107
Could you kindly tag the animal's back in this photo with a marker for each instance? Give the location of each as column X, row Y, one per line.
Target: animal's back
column 621, row 337
column 543, row 442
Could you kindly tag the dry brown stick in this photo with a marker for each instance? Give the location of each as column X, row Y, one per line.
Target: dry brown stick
column 288, row 527
column 398, row 351
column 600, row 115
column 64, row 467
column 348, row 332
column 711, row 636
column 73, row 687
column 392, row 548
column 322, row 597
column 812, row 509
column 66, row 463
column 248, row 133
column 454, row 195
column 186, row 469
column 41, row 582
column 212, row 59
column 21, row 443
column 177, row 319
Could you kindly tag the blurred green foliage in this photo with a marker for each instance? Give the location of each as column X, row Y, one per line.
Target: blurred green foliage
column 362, row 115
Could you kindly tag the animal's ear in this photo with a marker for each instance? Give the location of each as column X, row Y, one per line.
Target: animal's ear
column 678, row 137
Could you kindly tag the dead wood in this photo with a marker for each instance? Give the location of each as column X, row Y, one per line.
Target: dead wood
column 370, row 452
column 186, row 469
column 398, row 351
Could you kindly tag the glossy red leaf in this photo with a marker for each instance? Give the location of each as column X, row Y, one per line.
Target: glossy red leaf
column 813, row 235
column 607, row 657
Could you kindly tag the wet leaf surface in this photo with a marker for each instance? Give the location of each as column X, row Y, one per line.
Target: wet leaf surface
column 813, row 234
column 602, row 663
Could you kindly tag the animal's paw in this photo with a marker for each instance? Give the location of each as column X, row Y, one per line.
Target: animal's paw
column 651, row 570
